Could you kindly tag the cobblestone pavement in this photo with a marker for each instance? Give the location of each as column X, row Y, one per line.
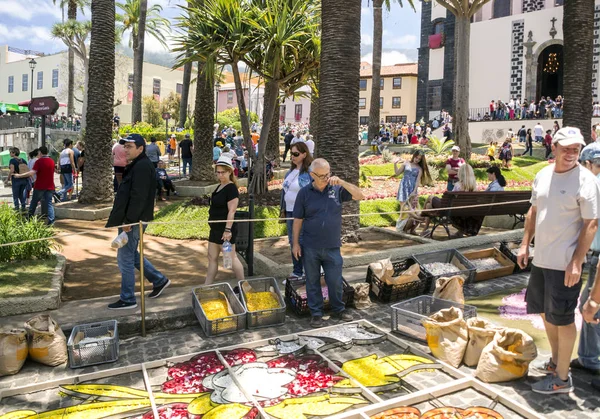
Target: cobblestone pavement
column 583, row 403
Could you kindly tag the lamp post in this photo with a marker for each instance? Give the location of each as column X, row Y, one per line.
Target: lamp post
column 217, row 87
column 32, row 65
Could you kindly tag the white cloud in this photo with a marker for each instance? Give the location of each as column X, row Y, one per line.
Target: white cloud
column 28, row 9
column 388, row 58
column 406, row 41
column 36, row 35
column 366, row 39
column 365, row 11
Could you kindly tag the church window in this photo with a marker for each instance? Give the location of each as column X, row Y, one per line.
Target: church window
column 502, row 8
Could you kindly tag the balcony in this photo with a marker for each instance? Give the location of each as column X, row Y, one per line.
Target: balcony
column 436, row 41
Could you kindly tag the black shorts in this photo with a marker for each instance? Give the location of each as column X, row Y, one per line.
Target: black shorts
column 547, row 293
column 217, row 230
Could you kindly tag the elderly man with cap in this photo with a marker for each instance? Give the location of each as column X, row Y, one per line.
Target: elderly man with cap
column 565, row 206
column 452, row 166
column 134, row 203
column 187, row 150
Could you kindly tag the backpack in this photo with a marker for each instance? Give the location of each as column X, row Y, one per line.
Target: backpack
column 22, row 167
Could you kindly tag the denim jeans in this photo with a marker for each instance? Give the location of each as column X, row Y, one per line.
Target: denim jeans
column 128, row 259
column 187, row 162
column 19, row 192
column 46, row 198
column 68, row 177
column 589, row 339
column 297, row 262
column 450, row 186
column 331, row 261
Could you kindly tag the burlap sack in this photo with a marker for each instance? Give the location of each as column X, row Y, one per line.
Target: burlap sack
column 46, row 341
column 450, row 289
column 506, row 357
column 13, row 351
column 481, row 332
column 447, row 335
column 361, row 296
column 409, row 275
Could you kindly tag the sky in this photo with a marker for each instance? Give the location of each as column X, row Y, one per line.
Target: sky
column 26, row 24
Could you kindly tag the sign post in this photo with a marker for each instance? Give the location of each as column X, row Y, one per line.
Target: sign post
column 43, row 106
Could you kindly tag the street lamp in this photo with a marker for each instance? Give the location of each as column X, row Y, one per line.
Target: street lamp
column 217, row 87
column 32, row 65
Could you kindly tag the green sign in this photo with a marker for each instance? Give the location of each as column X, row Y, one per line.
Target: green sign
column 12, row 107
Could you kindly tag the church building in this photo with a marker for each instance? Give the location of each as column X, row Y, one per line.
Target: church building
column 515, row 52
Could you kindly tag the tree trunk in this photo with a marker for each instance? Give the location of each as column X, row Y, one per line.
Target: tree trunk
column 460, row 121
column 314, row 119
column 272, row 152
column 185, row 94
column 97, row 182
column 71, row 14
column 258, row 184
column 204, row 108
column 241, row 100
column 578, row 26
column 376, row 69
column 338, row 96
column 138, row 64
column 84, row 105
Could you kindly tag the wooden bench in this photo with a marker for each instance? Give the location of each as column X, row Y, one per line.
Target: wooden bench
column 450, row 200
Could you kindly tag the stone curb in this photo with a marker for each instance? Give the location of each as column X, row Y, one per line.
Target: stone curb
column 61, row 212
column 50, row 301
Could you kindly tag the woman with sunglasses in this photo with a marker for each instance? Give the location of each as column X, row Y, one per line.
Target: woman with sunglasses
column 297, row 178
column 223, row 204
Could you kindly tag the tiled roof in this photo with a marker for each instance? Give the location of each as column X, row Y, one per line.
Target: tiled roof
column 410, row 69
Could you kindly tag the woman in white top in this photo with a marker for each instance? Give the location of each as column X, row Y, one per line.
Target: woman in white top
column 67, row 168
column 297, row 178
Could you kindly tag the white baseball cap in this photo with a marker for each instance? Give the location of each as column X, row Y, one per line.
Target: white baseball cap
column 568, row 136
column 456, row 148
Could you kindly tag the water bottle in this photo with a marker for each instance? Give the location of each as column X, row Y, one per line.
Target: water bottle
column 227, row 256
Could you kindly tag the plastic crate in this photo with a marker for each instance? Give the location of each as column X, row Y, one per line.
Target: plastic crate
column 407, row 316
column 263, row 318
column 453, row 256
column 299, row 303
column 225, row 325
column 387, row 293
column 505, row 248
column 94, row 343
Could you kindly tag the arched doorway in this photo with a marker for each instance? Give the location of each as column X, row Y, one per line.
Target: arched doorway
column 550, row 72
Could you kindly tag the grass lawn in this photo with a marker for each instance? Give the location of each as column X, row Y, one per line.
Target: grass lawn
column 26, row 278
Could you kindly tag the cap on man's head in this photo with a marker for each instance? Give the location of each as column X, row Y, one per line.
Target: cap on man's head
column 137, row 139
column 187, row 135
column 568, row 136
column 455, row 148
column 588, row 152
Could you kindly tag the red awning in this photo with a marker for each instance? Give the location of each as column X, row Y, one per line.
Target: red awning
column 27, row 102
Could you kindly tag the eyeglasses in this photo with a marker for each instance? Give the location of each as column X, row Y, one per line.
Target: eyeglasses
column 295, row 153
column 323, row 177
column 221, row 172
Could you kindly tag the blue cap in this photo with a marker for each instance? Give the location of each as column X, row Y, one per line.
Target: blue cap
column 589, row 151
column 133, row 138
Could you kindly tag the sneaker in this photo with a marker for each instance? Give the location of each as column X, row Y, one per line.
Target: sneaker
column 121, row 305
column 551, row 384
column 342, row 316
column 316, row 322
column 545, row 367
column 577, row 365
column 156, row 291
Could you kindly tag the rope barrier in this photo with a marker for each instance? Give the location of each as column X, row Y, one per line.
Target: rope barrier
column 253, row 220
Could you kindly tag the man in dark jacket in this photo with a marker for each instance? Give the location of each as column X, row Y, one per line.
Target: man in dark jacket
column 135, row 202
column 287, row 141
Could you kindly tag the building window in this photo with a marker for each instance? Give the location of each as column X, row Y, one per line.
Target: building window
column 362, row 103
column 380, row 103
column 363, row 84
column 25, row 83
column 559, row 2
column 11, row 84
column 282, row 113
column 230, row 97
column 130, row 81
column 501, row 8
column 434, row 98
column 179, row 88
column 396, row 119
column 438, row 27
column 397, row 83
column 55, row 78
column 396, row 101
column 40, row 80
column 381, row 84
column 156, row 88
column 363, row 120
column 298, row 112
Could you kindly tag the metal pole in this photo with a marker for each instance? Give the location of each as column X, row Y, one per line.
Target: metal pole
column 43, row 130
column 250, row 250
column 142, row 291
column 32, row 84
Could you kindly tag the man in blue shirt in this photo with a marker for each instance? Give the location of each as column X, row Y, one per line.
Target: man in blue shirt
column 318, row 215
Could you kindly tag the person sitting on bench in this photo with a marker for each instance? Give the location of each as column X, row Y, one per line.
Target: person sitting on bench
column 163, row 181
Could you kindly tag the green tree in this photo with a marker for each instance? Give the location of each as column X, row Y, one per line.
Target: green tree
column 97, row 183
column 463, row 11
column 152, row 111
column 136, row 17
column 171, row 104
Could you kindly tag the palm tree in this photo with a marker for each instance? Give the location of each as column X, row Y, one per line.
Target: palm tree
column 578, row 16
column 204, row 110
column 338, row 95
column 376, row 64
column 72, row 6
column 185, row 94
column 463, row 11
column 139, row 19
column 97, row 183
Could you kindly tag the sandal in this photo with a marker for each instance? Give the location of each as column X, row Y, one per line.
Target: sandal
column 426, row 233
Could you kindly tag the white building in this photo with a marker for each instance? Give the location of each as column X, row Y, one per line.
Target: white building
column 296, row 109
column 515, row 52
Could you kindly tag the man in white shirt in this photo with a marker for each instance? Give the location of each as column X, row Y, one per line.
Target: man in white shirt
column 565, row 207
column 310, row 144
column 298, row 138
column 538, row 133
column 532, row 108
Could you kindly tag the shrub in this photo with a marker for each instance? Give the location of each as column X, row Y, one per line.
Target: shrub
column 15, row 228
column 387, row 156
column 231, row 117
column 439, row 146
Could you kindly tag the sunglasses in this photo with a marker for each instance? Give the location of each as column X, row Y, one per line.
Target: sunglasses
column 295, row 153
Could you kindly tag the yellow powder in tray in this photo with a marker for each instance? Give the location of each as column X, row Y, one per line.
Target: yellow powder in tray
column 258, row 301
